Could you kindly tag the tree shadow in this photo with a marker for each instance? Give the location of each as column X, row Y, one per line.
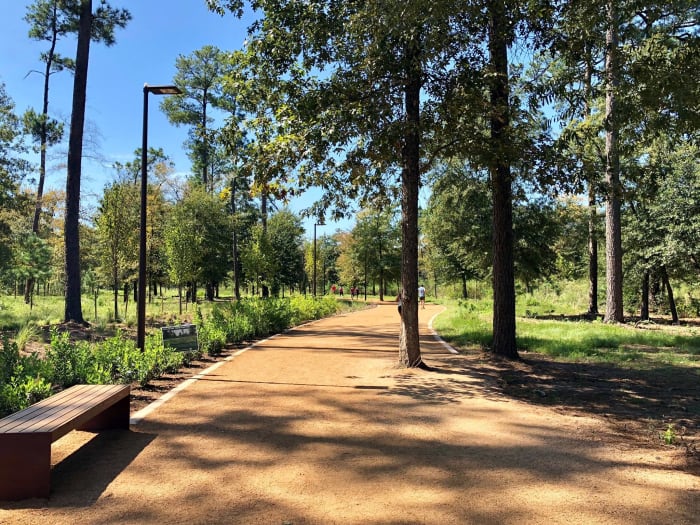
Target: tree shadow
column 82, row 477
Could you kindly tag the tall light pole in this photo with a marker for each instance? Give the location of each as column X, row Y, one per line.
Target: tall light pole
column 141, row 321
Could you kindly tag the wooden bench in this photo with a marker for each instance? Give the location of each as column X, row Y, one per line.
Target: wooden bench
column 26, row 436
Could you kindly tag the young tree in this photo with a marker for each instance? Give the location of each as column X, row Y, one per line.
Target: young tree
column 457, row 223
column 182, row 241
column 285, row 233
column 258, row 258
column 98, row 26
column 49, row 21
column 117, row 224
column 32, row 260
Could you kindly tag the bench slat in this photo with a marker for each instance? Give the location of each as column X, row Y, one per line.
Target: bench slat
column 9, row 423
column 74, row 414
column 19, row 421
column 56, row 412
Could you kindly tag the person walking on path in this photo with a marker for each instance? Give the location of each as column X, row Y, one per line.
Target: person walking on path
column 421, row 296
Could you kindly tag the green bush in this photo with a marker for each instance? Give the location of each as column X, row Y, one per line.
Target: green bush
column 70, row 363
column 211, row 339
column 21, row 381
column 239, row 321
column 118, row 360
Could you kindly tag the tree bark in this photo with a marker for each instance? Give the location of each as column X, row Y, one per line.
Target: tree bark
column 644, row 309
column 669, row 293
column 409, row 343
column 236, row 276
column 504, row 343
column 73, row 308
column 589, row 174
column 263, row 212
column 613, row 229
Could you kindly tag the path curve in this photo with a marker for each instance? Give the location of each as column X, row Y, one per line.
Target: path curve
column 318, row 426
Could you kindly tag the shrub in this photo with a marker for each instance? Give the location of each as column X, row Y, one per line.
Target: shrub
column 212, row 338
column 21, row 383
column 118, row 360
column 70, row 364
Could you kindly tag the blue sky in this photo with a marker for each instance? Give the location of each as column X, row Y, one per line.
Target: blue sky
column 145, row 52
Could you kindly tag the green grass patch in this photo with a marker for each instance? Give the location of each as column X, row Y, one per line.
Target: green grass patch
column 468, row 325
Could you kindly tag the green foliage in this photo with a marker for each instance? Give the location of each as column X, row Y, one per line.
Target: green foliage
column 249, row 318
column 21, row 381
column 26, row 334
column 212, row 338
column 21, row 391
column 117, row 224
column 669, row 436
column 285, row 233
column 70, row 363
column 199, row 77
column 115, row 360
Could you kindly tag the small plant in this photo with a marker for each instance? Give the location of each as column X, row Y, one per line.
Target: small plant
column 669, row 436
column 26, row 334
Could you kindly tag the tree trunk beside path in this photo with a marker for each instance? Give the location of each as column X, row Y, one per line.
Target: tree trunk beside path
column 320, row 426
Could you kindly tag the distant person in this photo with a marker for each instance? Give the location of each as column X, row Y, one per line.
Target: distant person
column 340, row 291
column 421, row 296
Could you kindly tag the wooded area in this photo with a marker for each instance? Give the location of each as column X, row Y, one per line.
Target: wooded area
column 492, row 140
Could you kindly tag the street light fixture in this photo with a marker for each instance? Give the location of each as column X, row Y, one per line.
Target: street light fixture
column 141, row 322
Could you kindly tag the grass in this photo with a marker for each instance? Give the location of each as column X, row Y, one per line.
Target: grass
column 48, row 310
column 467, row 324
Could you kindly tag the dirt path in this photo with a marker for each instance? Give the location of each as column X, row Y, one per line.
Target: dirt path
column 318, row 426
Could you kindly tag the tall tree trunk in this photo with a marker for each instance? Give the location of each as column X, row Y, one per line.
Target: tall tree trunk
column 592, row 252
column 669, row 293
column 644, row 309
column 613, row 229
column 589, row 174
column 73, row 307
column 504, row 343
column 236, row 275
column 263, row 211
column 409, row 343
column 381, row 271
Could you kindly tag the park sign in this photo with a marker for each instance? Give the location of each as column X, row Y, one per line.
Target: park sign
column 182, row 338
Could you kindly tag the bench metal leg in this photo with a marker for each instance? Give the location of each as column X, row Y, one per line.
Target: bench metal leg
column 116, row 416
column 25, row 466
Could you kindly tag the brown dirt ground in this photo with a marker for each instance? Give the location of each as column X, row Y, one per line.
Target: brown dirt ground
column 319, row 426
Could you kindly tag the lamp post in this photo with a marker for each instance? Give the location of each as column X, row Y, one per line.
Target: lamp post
column 141, row 321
